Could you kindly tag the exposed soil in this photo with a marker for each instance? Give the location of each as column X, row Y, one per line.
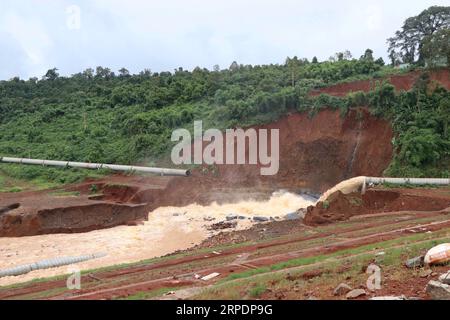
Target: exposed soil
column 315, row 154
column 401, row 82
column 121, row 282
column 341, row 206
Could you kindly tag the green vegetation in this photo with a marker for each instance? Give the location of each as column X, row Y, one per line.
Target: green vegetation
column 98, row 116
column 257, row 290
column 420, row 119
column 62, row 193
column 423, row 38
column 343, row 266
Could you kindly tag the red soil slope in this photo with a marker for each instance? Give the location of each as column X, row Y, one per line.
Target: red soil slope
column 401, row 82
column 341, row 207
column 315, row 154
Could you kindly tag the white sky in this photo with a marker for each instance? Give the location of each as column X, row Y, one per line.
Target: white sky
column 36, row 35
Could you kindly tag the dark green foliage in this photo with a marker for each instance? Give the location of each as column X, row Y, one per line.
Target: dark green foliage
column 420, row 120
column 96, row 116
column 408, row 43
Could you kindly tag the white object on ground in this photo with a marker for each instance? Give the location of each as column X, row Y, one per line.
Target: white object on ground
column 438, row 254
column 210, row 276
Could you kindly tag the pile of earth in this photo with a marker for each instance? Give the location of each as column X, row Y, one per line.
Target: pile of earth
column 339, row 206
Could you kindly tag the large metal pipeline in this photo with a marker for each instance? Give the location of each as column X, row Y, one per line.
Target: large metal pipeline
column 413, row 181
column 360, row 183
column 46, row 264
column 114, row 167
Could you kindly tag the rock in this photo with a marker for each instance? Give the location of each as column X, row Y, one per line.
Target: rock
column 231, row 217
column 417, row 262
column 356, row 293
column 342, row 289
column 292, row 216
column 209, row 219
column 438, row 290
column 242, row 218
column 223, row 225
column 425, row 273
column 445, row 278
column 260, row 219
column 379, row 254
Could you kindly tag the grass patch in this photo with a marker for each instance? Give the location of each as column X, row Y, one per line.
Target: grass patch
column 258, row 290
column 338, row 254
column 62, row 193
column 333, row 273
column 11, row 189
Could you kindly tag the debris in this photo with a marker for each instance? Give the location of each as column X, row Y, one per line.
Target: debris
column 169, row 293
column 356, row 293
column 438, row 290
column 417, row 262
column 342, row 289
column 94, row 277
column 425, row 273
column 231, row 217
column 382, row 253
column 197, row 276
column 210, row 276
column 223, row 225
column 439, row 254
column 216, row 253
column 209, row 219
column 260, row 219
column 292, row 216
column 445, row 278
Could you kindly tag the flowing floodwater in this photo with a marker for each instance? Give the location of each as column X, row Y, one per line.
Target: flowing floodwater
column 168, row 229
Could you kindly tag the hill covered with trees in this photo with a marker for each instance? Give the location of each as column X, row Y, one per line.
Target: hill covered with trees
column 100, row 116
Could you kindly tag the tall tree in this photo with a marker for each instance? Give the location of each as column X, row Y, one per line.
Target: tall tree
column 407, row 43
column 368, row 55
column 51, row 74
column 234, row 66
column 124, row 73
column 436, row 48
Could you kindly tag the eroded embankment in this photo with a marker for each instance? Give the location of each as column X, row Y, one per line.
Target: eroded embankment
column 167, row 230
column 315, row 154
column 340, row 206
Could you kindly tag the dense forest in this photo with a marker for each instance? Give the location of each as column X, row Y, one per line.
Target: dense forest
column 100, row 116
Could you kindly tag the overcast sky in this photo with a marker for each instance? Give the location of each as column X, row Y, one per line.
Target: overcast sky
column 36, row 35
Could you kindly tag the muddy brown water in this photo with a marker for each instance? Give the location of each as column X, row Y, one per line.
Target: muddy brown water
column 167, row 230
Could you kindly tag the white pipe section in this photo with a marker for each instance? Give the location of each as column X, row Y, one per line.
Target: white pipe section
column 114, row 167
column 413, row 181
column 47, row 264
column 360, row 183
